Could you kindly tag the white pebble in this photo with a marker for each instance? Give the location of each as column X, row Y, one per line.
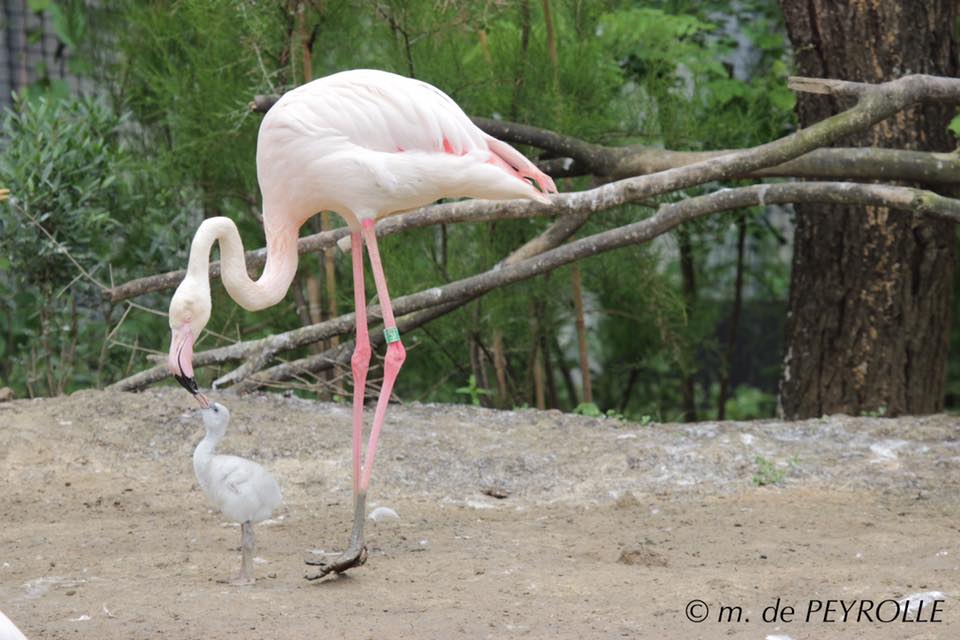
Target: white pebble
column 383, row 513
column 926, row 597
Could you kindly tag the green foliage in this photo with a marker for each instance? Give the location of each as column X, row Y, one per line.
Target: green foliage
column 748, row 403
column 591, row 410
column 60, row 161
column 767, row 473
column 954, row 126
column 73, row 195
column 473, row 391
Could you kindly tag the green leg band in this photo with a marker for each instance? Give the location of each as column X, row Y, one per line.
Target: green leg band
column 391, row 334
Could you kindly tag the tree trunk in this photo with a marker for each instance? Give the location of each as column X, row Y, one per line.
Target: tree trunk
column 576, row 286
column 688, row 276
column 500, row 367
column 727, row 366
column 871, row 288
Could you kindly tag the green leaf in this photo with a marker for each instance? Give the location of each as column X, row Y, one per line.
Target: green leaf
column 39, row 6
column 783, row 99
column 61, row 25
column 588, row 409
column 954, row 125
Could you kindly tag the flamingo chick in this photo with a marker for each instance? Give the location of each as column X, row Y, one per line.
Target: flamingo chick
column 243, row 490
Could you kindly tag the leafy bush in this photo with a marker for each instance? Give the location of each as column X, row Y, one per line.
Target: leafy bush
column 76, row 207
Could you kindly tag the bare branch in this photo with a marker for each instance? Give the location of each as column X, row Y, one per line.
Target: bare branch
column 263, row 103
column 932, row 88
column 838, row 163
column 599, row 158
column 917, row 201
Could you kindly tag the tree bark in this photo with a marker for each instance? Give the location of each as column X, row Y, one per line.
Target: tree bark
column 500, row 367
column 576, row 286
column 688, row 275
column 734, row 321
column 871, row 289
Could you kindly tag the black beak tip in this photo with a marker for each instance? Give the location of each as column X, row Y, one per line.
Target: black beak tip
column 190, row 384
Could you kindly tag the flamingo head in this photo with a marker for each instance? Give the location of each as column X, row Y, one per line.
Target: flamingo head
column 215, row 419
column 189, row 312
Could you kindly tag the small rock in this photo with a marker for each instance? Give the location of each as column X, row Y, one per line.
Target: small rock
column 71, row 592
column 641, row 556
column 383, row 513
column 496, row 491
column 627, row 501
column 6, row 394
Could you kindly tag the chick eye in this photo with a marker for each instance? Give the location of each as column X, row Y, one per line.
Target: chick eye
column 215, row 409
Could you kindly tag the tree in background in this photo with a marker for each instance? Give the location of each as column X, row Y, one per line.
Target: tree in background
column 872, row 288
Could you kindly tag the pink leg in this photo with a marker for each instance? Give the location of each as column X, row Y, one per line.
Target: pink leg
column 356, row 552
column 396, row 354
column 360, row 361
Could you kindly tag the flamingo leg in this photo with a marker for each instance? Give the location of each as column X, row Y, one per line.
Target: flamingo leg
column 356, row 553
column 245, row 577
column 360, row 361
column 396, row 353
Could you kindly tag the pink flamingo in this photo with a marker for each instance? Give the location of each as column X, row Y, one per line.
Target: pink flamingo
column 364, row 144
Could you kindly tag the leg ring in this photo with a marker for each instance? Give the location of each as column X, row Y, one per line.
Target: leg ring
column 391, row 334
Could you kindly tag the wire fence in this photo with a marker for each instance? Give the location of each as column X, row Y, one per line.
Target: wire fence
column 31, row 52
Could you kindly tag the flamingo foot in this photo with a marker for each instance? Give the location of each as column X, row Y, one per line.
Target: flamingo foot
column 352, row 557
column 356, row 553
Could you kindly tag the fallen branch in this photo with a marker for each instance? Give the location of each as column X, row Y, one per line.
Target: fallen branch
column 669, row 216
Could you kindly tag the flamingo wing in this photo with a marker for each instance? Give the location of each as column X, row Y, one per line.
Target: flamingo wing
column 387, row 113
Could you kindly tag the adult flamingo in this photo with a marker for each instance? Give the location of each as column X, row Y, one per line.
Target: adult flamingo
column 364, row 144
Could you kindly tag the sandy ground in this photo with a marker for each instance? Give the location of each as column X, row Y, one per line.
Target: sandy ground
column 608, row 529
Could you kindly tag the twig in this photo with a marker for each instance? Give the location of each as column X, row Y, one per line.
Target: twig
column 63, row 249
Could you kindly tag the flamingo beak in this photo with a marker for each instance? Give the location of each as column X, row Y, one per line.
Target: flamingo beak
column 180, row 364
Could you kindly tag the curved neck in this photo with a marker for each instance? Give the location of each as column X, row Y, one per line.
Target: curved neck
column 252, row 295
column 204, row 452
column 207, row 446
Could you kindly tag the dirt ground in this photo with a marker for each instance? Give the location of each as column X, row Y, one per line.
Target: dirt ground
column 608, row 529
